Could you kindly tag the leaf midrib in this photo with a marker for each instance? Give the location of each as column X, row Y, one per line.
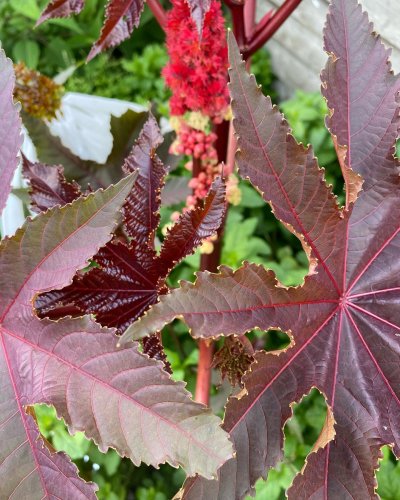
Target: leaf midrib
column 113, row 389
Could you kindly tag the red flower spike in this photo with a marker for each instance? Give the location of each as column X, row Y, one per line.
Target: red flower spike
column 344, row 321
column 197, row 71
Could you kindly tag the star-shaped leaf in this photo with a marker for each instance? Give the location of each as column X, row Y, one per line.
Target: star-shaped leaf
column 119, row 397
column 130, row 276
column 344, row 320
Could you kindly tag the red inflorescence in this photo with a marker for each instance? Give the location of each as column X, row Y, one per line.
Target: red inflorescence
column 197, row 71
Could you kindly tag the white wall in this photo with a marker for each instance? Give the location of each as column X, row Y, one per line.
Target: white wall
column 296, row 48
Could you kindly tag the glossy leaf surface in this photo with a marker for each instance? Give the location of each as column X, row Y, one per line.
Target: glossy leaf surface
column 61, row 8
column 122, row 16
column 130, row 275
column 344, row 319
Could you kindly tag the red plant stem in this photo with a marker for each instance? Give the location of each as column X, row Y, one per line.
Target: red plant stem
column 203, row 382
column 249, row 17
column 158, row 12
column 275, row 22
column 262, row 24
column 237, row 12
column 210, row 262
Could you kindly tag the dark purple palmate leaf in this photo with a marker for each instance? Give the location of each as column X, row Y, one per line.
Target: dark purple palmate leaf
column 60, row 8
column 122, row 16
column 44, row 253
column 10, row 129
column 130, row 275
column 141, row 210
column 119, row 397
column 344, row 320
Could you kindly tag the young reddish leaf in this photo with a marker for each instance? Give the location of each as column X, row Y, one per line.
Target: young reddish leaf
column 130, row 277
column 141, row 210
column 48, row 185
column 10, row 128
column 60, row 8
column 152, row 346
column 122, row 16
column 124, row 285
column 193, row 226
column 344, row 319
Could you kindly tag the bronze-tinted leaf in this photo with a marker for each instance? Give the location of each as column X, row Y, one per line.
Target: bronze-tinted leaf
column 119, row 397
column 141, row 210
column 344, row 319
column 118, row 290
column 130, row 277
column 43, row 254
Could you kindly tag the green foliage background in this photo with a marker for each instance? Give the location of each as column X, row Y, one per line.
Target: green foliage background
column 132, row 72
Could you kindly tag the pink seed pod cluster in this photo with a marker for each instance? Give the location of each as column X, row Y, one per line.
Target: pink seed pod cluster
column 195, row 143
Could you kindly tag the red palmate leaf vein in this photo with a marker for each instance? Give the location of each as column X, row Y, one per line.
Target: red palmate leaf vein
column 283, row 191
column 21, row 409
column 379, row 369
column 365, row 311
column 372, row 259
column 376, row 292
column 288, row 362
column 263, row 306
column 49, row 254
column 109, row 387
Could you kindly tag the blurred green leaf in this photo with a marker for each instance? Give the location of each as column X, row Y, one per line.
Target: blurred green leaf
column 56, row 432
column 28, row 8
column 389, row 477
column 28, row 52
